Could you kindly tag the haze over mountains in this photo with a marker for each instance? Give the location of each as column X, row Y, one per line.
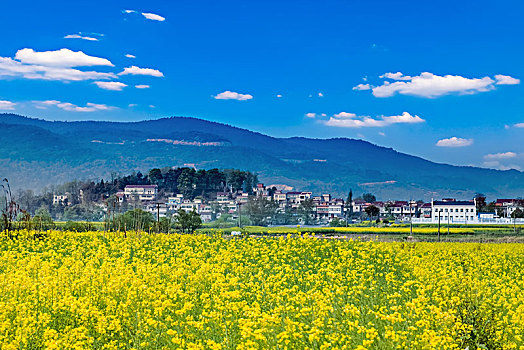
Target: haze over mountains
column 35, row 153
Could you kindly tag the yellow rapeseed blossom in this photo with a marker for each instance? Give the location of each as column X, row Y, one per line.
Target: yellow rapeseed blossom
column 105, row 291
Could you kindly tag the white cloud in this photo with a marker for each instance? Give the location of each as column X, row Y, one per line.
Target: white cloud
column 12, row 68
column 382, row 133
column 495, row 164
column 78, row 36
column 504, row 155
column 279, row 96
column 362, row 87
column 345, row 115
column 134, row 70
column 152, row 106
column 66, row 106
column 506, row 80
column 53, row 65
column 132, row 105
column 148, row 15
column 110, row 85
column 60, row 58
column 351, row 120
column 320, row 94
column 130, row 56
column 395, row 76
column 7, row 105
column 142, row 86
column 153, row 16
column 230, row 95
column 430, row 85
column 310, row 115
column 519, row 125
column 454, row 142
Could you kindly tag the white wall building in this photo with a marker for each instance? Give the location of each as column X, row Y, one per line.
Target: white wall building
column 61, row 199
column 454, row 211
column 141, row 192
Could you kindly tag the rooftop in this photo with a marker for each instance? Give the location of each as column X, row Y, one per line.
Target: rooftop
column 141, row 186
column 454, row 203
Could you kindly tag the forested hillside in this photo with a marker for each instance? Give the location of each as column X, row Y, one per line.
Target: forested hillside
column 35, row 153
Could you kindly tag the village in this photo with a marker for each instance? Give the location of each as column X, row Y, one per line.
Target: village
column 318, row 209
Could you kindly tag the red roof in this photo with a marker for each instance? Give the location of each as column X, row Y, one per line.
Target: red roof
column 506, row 200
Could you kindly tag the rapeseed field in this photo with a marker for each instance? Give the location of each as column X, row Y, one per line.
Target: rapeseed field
column 100, row 290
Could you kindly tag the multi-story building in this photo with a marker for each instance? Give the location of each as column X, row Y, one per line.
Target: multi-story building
column 222, row 197
column 295, row 198
column 141, row 192
column 506, row 207
column 61, row 199
column 454, row 211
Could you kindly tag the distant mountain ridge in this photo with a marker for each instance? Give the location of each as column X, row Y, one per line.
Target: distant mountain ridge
column 36, row 153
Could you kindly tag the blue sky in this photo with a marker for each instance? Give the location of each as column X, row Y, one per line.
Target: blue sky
column 436, row 79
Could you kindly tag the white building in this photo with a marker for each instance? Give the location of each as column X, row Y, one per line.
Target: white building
column 295, row 198
column 61, row 199
column 141, row 192
column 330, row 211
column 175, row 199
column 158, row 209
column 506, row 207
column 454, row 211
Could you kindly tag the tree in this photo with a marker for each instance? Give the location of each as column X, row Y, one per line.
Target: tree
column 480, row 201
column 136, row 219
column 369, row 198
column 517, row 214
column 42, row 219
column 155, row 176
column 306, row 210
column 372, row 211
column 188, row 221
column 349, row 206
column 260, row 210
column 186, row 182
column 336, row 222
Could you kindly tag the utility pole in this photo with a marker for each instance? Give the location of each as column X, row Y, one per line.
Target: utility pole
column 113, row 213
column 410, row 218
column 157, row 217
column 239, row 216
column 439, row 225
column 448, row 224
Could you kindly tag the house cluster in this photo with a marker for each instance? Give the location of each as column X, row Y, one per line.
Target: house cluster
column 323, row 208
column 62, row 199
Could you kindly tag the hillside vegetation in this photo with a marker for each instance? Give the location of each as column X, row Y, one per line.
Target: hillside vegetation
column 35, row 153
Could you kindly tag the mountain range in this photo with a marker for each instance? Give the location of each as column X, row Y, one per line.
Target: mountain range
column 35, row 153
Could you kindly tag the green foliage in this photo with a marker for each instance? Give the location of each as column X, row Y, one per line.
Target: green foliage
column 227, row 221
column 260, row 210
column 137, row 220
column 188, row 221
column 336, row 222
column 306, row 210
column 79, row 226
column 517, row 214
column 82, row 212
column 38, row 153
column 372, row 211
column 42, row 219
column 369, row 197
